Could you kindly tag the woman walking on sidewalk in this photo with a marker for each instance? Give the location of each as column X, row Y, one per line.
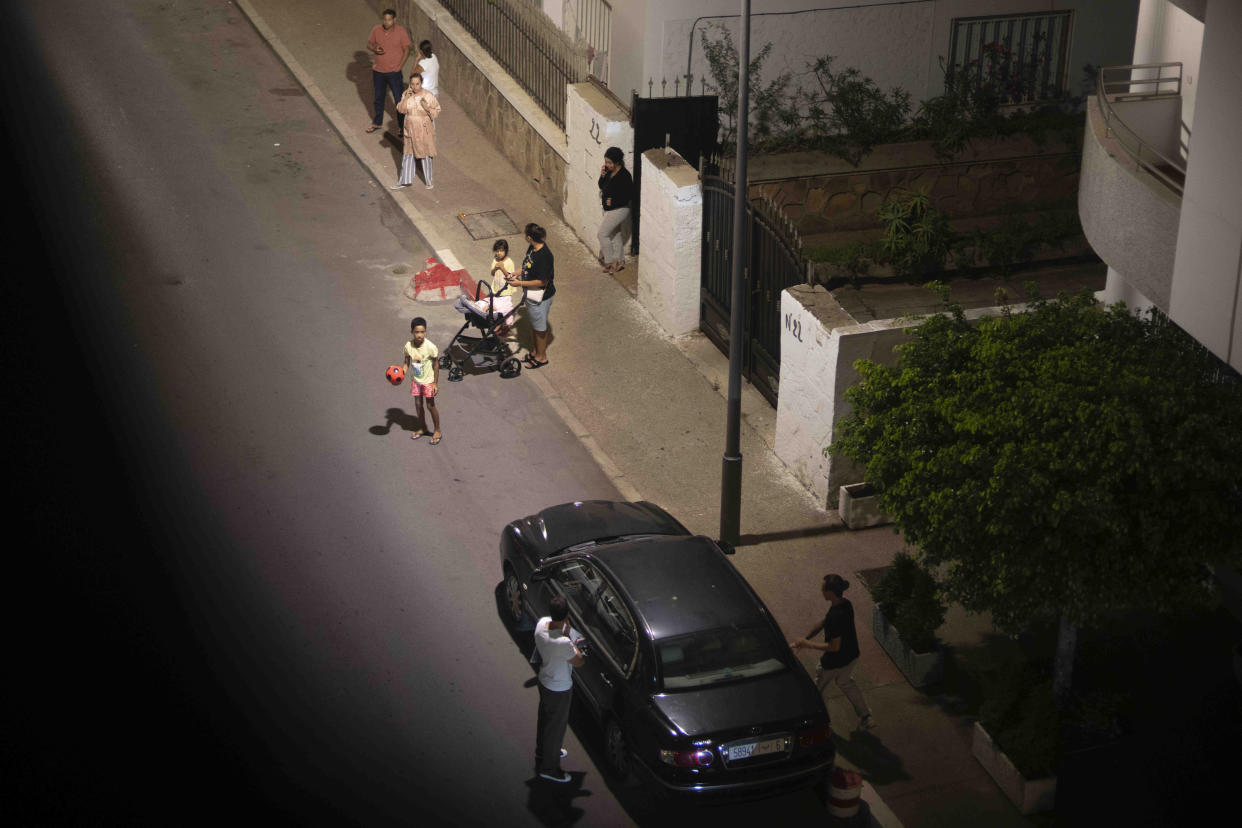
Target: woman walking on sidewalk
column 840, row 647
column 616, row 188
column 420, row 109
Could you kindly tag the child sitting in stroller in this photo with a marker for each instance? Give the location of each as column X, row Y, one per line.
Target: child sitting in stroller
column 503, row 295
column 493, row 312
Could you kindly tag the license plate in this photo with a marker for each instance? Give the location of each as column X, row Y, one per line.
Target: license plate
column 750, row 750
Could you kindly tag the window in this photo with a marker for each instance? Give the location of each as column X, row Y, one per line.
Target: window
column 1028, row 53
column 717, row 656
column 603, row 615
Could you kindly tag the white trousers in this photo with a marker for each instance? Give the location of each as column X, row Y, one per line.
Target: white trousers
column 611, row 235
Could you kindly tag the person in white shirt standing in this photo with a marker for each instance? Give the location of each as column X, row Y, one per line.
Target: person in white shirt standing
column 558, row 655
column 429, row 67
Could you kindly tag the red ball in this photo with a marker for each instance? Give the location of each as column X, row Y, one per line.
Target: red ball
column 395, row 374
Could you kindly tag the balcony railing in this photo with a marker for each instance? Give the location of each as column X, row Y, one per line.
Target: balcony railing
column 1143, row 82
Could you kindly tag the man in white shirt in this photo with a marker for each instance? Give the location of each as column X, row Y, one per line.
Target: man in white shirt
column 558, row 655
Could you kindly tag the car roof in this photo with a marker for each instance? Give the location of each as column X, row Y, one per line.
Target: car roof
column 560, row 527
column 680, row 584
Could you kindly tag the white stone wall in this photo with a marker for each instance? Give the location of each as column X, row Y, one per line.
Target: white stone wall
column 593, row 123
column 668, row 260
column 820, row 343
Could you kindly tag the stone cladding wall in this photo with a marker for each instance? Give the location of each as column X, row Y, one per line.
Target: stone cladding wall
column 822, row 194
column 523, row 134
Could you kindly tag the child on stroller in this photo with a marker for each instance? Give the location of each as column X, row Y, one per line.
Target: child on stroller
column 503, row 295
column 493, row 312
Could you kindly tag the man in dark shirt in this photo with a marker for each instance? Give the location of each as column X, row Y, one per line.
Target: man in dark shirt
column 839, row 647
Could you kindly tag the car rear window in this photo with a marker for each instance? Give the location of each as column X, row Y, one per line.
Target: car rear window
column 716, row 656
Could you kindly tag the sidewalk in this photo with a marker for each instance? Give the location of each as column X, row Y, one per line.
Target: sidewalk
column 651, row 411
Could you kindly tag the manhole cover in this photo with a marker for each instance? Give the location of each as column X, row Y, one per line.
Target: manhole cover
column 488, row 225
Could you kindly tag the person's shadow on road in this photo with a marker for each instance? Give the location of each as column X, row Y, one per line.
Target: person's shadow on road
column 396, row 417
column 359, row 73
column 552, row 802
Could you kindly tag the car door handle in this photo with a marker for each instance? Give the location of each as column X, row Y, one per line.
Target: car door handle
column 605, row 679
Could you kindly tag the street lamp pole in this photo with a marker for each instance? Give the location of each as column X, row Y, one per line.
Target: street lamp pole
column 731, row 473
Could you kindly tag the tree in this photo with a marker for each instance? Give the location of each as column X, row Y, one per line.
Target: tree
column 1066, row 460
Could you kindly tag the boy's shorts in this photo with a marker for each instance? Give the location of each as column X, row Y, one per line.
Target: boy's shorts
column 538, row 312
column 417, row 389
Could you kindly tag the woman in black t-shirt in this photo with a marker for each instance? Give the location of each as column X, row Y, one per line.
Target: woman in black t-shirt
column 839, row 647
column 616, row 188
column 537, row 276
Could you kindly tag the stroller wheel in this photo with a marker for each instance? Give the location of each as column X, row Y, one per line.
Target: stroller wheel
column 445, row 361
column 455, row 373
column 510, row 368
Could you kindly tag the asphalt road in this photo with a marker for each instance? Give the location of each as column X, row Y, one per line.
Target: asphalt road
column 247, row 594
column 237, row 590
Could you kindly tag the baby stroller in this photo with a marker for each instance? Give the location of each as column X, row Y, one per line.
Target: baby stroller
column 487, row 351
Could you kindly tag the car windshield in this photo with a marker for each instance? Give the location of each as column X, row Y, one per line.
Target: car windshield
column 715, row 656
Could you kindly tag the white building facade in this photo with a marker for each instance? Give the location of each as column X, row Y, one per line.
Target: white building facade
column 650, row 45
column 1161, row 174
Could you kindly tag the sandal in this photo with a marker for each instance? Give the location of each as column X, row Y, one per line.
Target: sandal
column 373, row 128
column 532, row 363
column 436, row 440
column 416, row 435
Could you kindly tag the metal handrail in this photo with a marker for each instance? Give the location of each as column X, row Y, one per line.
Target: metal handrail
column 1146, row 157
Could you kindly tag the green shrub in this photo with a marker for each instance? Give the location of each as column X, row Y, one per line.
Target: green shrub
column 1032, row 734
column 917, row 237
column 849, row 114
column 1019, row 712
column 910, row 599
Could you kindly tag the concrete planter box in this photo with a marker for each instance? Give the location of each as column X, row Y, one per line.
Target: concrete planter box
column 920, row 669
column 859, row 507
column 1029, row 796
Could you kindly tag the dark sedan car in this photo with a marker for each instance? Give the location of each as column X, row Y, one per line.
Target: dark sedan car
column 686, row 671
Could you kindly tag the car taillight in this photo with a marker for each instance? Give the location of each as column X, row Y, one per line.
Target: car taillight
column 692, row 758
column 815, row 736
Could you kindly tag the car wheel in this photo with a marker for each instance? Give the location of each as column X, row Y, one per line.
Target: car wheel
column 513, row 596
column 617, row 752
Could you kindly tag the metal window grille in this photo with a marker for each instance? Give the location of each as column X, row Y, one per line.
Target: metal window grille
column 1034, row 47
column 593, row 24
column 532, row 49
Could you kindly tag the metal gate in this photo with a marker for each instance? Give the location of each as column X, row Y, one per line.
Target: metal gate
column 688, row 123
column 776, row 263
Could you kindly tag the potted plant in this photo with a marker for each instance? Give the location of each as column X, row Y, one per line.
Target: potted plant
column 1016, row 735
column 859, row 506
column 908, row 611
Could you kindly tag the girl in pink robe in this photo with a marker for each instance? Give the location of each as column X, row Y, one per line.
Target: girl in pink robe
column 420, row 109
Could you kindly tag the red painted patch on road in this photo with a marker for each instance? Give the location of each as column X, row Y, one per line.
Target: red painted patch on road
column 438, row 275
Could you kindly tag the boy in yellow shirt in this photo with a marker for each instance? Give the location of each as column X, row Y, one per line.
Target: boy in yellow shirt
column 422, row 365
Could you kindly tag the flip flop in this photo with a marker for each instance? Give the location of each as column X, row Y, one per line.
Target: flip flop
column 373, row 128
column 532, row 363
column 436, row 440
column 416, row 435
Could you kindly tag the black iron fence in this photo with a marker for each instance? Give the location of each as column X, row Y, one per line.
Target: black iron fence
column 775, row 263
column 522, row 39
